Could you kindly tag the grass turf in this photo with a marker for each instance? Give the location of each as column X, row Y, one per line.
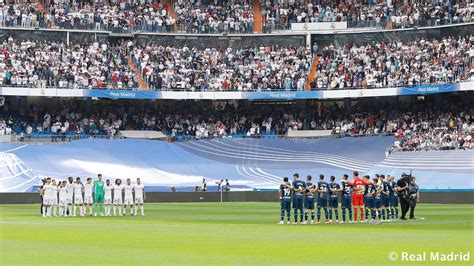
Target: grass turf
column 224, row 233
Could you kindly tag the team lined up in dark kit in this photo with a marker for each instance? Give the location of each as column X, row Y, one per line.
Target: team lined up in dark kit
column 378, row 197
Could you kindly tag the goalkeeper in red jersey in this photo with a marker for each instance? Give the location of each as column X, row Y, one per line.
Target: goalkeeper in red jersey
column 358, row 194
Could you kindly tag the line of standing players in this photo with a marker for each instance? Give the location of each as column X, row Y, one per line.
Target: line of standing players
column 379, row 197
column 68, row 195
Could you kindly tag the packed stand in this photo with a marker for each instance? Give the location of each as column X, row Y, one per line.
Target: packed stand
column 212, row 69
column 443, row 138
column 376, row 65
column 417, row 125
column 27, row 14
column 230, row 16
column 70, row 118
column 278, row 15
column 67, row 121
column 117, row 16
column 410, row 123
column 43, row 64
column 444, row 131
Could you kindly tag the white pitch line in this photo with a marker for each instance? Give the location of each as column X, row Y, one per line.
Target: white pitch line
column 55, row 221
column 17, row 148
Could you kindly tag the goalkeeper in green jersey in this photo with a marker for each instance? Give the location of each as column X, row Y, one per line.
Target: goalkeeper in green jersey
column 99, row 195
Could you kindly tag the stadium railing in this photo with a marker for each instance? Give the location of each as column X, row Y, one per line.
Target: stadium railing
column 268, row 27
column 166, row 88
column 273, row 135
column 406, row 25
column 47, row 137
column 70, row 87
column 373, row 24
column 451, row 81
column 454, row 80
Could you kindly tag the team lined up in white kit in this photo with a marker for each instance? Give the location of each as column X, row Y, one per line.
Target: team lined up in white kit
column 65, row 197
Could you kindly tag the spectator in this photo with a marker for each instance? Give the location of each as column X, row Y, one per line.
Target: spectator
column 315, row 49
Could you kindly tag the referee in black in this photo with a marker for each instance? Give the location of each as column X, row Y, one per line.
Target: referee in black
column 403, row 190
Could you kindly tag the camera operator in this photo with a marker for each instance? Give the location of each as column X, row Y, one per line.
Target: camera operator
column 402, row 191
column 413, row 196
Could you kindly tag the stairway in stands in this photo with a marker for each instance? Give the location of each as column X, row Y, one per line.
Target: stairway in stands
column 168, row 4
column 312, row 73
column 40, row 6
column 42, row 9
column 257, row 17
column 141, row 81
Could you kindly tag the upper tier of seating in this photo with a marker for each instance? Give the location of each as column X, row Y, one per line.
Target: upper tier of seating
column 229, row 16
column 132, row 65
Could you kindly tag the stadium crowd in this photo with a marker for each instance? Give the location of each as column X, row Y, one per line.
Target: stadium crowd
column 115, row 16
column 382, row 64
column 230, row 16
column 22, row 14
column 211, row 69
column 381, row 14
column 439, row 138
column 55, row 64
column 106, row 65
column 416, row 126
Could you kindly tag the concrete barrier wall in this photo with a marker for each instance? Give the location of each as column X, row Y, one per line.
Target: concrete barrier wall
column 240, row 196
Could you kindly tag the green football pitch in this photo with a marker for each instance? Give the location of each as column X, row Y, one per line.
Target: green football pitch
column 226, row 233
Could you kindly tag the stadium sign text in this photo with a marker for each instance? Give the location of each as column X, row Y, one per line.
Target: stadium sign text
column 279, row 95
column 428, row 89
column 122, row 94
column 283, row 95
